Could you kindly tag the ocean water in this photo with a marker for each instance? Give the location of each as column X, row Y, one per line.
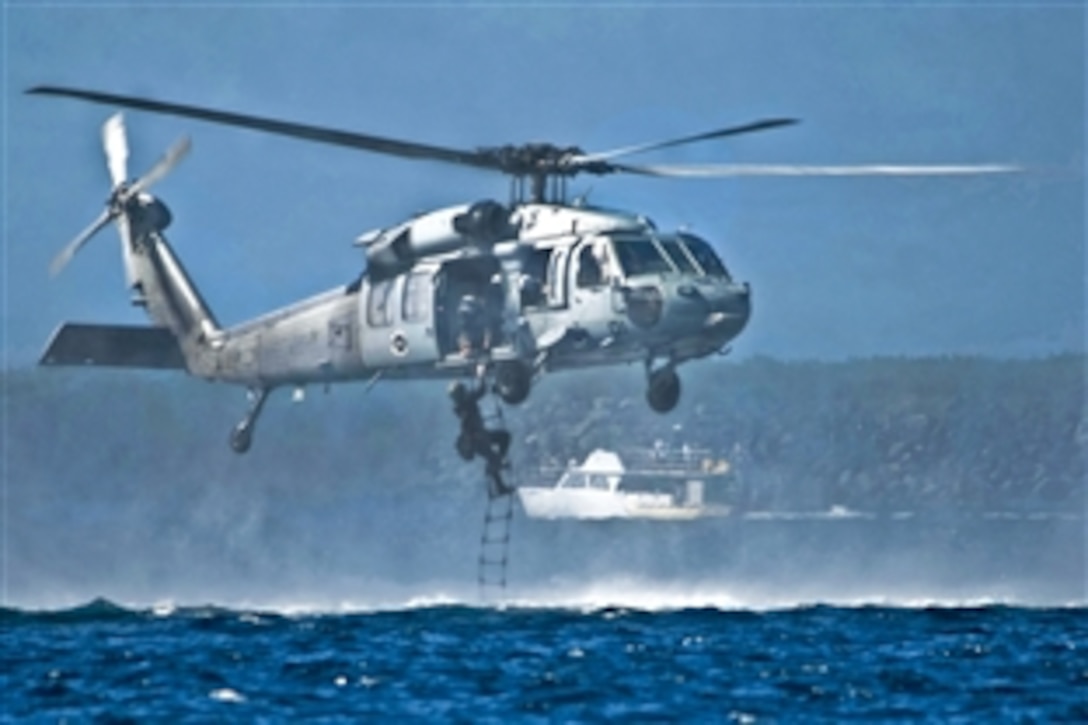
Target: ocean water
column 567, row 660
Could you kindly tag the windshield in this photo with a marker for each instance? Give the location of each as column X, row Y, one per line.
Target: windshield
column 679, row 257
column 640, row 256
column 705, row 256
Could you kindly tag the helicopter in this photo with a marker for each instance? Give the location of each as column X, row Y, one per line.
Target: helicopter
column 510, row 291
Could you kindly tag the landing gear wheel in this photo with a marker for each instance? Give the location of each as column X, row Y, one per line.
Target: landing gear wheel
column 513, row 381
column 663, row 392
column 241, row 437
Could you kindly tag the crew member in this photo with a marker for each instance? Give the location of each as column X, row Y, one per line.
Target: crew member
column 474, row 337
column 475, row 439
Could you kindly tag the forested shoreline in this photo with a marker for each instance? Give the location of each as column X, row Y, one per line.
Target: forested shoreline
column 874, row 434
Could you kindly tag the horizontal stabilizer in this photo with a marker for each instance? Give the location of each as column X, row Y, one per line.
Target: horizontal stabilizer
column 114, row 346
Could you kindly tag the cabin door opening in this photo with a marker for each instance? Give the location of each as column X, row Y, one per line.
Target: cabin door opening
column 469, row 303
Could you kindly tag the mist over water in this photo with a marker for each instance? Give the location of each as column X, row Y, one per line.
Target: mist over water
column 404, row 549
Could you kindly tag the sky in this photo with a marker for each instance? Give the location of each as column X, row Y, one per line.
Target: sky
column 840, row 268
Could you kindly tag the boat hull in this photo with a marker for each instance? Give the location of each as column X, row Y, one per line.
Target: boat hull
column 590, row 504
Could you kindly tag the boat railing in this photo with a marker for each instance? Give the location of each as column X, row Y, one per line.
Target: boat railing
column 683, row 460
column 648, row 463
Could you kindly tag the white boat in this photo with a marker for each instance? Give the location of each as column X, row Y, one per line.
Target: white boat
column 595, row 490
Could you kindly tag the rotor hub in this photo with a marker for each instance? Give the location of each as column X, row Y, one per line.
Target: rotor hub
column 531, row 159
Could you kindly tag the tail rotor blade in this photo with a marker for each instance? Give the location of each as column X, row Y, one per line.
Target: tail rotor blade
column 116, row 147
column 76, row 244
column 163, row 166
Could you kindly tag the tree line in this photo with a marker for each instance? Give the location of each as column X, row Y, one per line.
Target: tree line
column 867, row 434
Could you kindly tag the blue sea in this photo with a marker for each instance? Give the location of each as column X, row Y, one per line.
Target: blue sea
column 520, row 661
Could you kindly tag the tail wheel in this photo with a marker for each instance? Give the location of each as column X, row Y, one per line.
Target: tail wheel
column 663, row 392
column 241, row 437
column 513, row 381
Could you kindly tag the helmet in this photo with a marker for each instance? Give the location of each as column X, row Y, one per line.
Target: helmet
column 457, row 390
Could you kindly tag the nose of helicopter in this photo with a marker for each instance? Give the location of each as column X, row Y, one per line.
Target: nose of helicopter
column 730, row 307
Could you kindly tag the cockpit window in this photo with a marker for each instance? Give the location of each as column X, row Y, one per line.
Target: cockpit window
column 704, row 255
column 678, row 256
column 640, row 256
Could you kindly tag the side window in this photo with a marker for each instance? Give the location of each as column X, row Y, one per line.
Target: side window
column 378, row 313
column 589, row 273
column 533, row 276
column 416, row 297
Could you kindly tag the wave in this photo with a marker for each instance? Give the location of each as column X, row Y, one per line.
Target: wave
column 628, row 596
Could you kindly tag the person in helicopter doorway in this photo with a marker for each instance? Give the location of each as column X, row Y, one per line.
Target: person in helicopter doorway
column 474, row 333
column 475, row 439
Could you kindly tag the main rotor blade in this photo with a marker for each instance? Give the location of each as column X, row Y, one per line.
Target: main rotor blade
column 162, row 167
column 726, row 170
column 76, row 244
column 762, row 125
column 116, row 147
column 320, row 134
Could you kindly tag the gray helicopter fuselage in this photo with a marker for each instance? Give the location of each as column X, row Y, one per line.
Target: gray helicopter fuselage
column 571, row 287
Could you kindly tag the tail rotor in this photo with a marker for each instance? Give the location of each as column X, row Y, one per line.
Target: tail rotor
column 115, row 145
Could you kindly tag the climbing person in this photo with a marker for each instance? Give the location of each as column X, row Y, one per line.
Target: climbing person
column 476, row 439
